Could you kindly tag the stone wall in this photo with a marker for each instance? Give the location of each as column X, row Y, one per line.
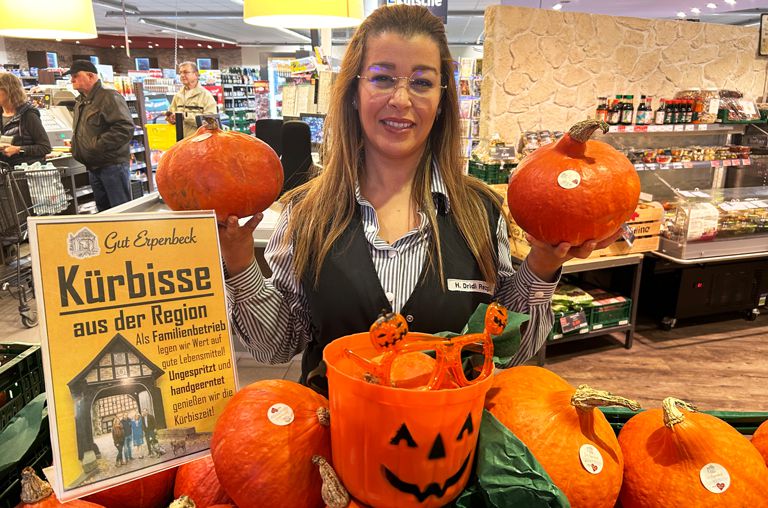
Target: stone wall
column 16, row 52
column 544, row 69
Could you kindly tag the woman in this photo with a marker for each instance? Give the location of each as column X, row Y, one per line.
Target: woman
column 137, row 433
column 391, row 222
column 119, row 439
column 23, row 136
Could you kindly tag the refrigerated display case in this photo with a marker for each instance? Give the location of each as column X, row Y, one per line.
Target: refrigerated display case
column 278, row 71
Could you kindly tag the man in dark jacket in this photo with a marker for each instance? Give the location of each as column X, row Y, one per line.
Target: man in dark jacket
column 150, row 432
column 101, row 137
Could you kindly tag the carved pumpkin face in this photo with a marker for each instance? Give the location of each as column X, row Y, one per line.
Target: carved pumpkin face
column 387, row 331
column 495, row 319
column 433, row 456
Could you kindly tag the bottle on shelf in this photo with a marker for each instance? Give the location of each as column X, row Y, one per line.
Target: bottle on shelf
column 601, row 113
column 688, row 111
column 628, row 111
column 643, row 111
column 660, row 113
column 669, row 112
column 614, row 114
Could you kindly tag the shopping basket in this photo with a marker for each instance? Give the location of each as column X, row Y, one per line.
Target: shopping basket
column 23, row 193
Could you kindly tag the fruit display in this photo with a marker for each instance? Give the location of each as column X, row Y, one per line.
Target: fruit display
column 145, row 492
column 226, row 171
column 264, row 441
column 575, row 189
column 675, row 456
column 565, row 431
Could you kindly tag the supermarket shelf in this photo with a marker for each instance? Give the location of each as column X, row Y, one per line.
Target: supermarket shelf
column 236, row 97
column 83, row 191
column 680, row 128
column 134, row 115
column 140, row 165
column 236, row 85
column 238, row 109
column 138, row 132
column 590, row 333
column 693, row 164
column 136, row 150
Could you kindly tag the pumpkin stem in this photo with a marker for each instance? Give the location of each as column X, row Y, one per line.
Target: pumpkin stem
column 183, row 502
column 583, row 130
column 587, row 398
column 672, row 415
column 333, row 492
column 33, row 488
column 323, row 416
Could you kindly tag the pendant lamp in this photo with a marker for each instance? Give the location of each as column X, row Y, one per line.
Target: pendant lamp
column 47, row 19
column 303, row 13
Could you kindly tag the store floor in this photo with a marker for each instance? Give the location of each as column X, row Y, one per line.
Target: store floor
column 719, row 365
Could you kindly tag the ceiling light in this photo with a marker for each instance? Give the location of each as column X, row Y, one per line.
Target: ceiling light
column 187, row 31
column 557, row 7
column 113, row 46
column 730, row 2
column 142, row 20
column 681, row 14
column 303, row 13
column 56, row 19
column 199, row 45
column 122, row 46
column 77, row 42
column 695, row 10
column 209, row 46
column 240, row 2
column 58, row 40
column 711, row 6
column 181, row 47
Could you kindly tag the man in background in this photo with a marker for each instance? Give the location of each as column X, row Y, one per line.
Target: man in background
column 101, row 137
column 192, row 100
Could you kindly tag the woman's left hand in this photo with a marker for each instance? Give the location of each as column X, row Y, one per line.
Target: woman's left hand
column 11, row 150
column 545, row 260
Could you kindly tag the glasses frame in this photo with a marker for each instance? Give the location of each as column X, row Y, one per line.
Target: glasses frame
column 409, row 80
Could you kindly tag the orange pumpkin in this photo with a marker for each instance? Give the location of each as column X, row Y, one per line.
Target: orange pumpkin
column 676, row 457
column 263, row 444
column 37, row 493
column 198, row 481
column 227, row 171
column 564, row 430
column 145, row 492
column 760, row 440
column 573, row 190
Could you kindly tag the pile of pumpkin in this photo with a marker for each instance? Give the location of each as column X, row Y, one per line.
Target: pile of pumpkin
column 673, row 456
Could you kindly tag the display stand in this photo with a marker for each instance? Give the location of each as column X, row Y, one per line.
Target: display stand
column 633, row 262
column 141, row 162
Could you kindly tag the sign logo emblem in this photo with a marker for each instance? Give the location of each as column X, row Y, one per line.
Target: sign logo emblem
column 83, row 244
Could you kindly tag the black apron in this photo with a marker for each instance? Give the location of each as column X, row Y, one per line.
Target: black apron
column 349, row 296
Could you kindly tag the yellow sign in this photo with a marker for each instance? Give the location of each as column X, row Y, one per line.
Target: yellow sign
column 136, row 343
column 161, row 136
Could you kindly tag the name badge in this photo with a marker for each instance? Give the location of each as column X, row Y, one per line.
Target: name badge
column 470, row 286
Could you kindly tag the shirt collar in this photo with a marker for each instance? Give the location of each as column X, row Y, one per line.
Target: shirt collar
column 436, row 184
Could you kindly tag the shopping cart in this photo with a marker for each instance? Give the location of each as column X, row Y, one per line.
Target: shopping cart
column 24, row 193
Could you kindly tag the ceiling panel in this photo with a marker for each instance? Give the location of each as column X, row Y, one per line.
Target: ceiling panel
column 465, row 28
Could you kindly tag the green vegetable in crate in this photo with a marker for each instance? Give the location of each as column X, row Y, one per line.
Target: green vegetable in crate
column 565, row 431
column 675, row 456
column 574, row 190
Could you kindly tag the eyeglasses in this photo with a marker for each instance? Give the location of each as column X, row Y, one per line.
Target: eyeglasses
column 390, row 335
column 422, row 83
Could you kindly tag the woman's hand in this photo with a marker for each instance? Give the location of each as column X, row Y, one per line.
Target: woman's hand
column 237, row 242
column 545, row 260
column 11, row 150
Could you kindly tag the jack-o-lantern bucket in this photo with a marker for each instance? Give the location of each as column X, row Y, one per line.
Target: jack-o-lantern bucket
column 396, row 447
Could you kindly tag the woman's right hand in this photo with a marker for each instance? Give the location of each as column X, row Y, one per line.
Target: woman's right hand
column 237, row 243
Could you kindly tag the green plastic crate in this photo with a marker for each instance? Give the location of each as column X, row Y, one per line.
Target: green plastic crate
column 610, row 314
column 557, row 330
column 745, row 422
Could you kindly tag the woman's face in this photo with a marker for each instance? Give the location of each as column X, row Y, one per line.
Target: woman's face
column 397, row 120
column 3, row 97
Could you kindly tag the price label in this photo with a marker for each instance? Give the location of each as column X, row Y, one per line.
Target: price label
column 641, row 128
column 666, row 128
column 502, row 152
column 746, row 162
column 677, row 165
column 716, row 164
column 679, row 128
column 687, row 165
column 690, row 127
column 652, row 166
column 639, row 167
column 573, row 322
column 664, row 166
column 624, row 128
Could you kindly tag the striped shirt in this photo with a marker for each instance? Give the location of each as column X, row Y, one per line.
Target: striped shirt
column 272, row 316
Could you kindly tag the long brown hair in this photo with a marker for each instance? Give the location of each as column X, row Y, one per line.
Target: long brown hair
column 13, row 88
column 324, row 206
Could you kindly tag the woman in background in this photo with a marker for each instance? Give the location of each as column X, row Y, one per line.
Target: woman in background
column 22, row 136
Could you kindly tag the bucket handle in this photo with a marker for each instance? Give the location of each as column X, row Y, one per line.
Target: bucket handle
column 317, row 380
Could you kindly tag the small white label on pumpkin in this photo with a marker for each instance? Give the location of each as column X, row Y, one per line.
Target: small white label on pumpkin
column 201, row 137
column 569, row 179
column 280, row 414
column 591, row 459
column 715, row 478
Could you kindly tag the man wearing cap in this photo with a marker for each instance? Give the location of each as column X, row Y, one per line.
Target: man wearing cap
column 101, row 137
